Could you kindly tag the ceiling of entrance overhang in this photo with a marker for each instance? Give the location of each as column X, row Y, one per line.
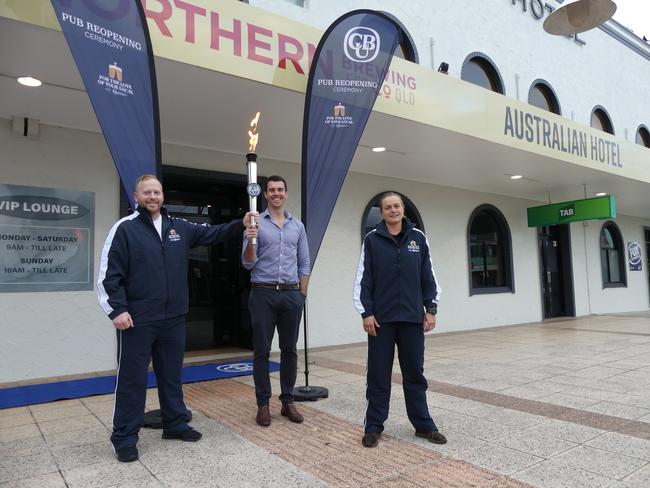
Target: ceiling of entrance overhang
column 211, row 110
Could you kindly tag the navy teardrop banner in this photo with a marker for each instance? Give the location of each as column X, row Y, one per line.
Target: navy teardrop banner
column 349, row 66
column 111, row 47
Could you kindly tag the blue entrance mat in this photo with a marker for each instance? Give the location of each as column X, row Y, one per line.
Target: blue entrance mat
column 48, row 392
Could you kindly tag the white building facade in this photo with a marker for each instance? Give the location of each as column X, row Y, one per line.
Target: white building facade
column 450, row 152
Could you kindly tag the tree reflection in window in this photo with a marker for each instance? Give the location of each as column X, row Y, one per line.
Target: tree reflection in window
column 490, row 251
column 612, row 256
column 487, row 255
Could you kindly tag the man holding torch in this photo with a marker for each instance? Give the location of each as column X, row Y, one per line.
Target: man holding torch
column 142, row 287
column 279, row 264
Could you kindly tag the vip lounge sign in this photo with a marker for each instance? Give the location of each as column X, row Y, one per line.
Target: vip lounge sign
column 599, row 208
column 46, row 238
column 634, row 256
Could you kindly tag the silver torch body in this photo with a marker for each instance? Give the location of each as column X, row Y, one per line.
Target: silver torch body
column 253, row 188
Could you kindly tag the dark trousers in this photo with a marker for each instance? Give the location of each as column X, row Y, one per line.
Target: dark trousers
column 409, row 338
column 269, row 308
column 164, row 343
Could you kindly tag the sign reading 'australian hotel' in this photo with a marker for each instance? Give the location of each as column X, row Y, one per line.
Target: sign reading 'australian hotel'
column 534, row 129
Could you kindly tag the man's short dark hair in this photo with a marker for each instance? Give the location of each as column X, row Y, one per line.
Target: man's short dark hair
column 275, row 178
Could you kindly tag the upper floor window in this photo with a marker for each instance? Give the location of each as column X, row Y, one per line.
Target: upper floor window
column 372, row 214
column 480, row 70
column 542, row 95
column 600, row 120
column 406, row 50
column 643, row 136
column 612, row 256
column 490, row 251
column 406, row 47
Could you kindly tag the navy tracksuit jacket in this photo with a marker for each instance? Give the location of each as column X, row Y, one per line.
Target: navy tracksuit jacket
column 395, row 282
column 146, row 275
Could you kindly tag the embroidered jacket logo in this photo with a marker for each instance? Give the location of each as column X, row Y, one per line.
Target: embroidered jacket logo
column 173, row 236
column 413, row 247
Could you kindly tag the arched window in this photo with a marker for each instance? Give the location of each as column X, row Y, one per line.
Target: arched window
column 643, row 136
column 480, row 70
column 406, row 50
column 490, row 252
column 612, row 256
column 600, row 120
column 406, row 47
column 372, row 214
column 542, row 95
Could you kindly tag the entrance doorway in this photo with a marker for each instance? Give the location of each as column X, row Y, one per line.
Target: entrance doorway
column 218, row 284
column 556, row 271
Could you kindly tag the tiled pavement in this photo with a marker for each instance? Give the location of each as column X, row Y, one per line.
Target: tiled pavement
column 558, row 404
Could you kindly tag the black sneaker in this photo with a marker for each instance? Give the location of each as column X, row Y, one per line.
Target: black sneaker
column 127, row 454
column 433, row 436
column 370, row 439
column 189, row 435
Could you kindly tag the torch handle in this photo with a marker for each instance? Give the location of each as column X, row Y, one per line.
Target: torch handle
column 251, row 167
column 253, row 207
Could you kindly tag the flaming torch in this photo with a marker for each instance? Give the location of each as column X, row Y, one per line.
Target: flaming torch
column 253, row 189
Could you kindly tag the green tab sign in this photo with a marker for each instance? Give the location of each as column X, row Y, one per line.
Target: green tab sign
column 599, row 208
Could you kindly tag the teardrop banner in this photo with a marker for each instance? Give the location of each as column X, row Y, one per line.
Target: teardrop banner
column 346, row 74
column 110, row 44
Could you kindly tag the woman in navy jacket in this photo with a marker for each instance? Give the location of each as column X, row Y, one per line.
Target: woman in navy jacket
column 396, row 293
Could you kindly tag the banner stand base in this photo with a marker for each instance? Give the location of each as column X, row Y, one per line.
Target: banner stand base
column 309, row 393
column 153, row 419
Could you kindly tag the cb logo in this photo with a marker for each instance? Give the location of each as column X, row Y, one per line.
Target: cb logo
column 253, row 189
column 361, row 44
column 235, row 368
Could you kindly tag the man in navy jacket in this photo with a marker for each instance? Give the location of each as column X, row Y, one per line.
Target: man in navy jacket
column 396, row 293
column 142, row 287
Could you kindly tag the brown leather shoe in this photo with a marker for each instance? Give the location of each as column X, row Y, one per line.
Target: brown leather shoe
column 433, row 436
column 290, row 410
column 263, row 416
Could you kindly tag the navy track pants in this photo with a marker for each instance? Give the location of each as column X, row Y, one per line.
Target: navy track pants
column 163, row 343
column 409, row 338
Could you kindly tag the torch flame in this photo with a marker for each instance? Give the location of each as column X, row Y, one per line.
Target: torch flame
column 253, row 135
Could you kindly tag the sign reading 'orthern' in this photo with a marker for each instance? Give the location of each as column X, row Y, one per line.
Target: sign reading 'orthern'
column 46, row 239
column 599, row 208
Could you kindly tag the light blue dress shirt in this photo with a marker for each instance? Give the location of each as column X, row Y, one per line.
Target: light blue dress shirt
column 282, row 252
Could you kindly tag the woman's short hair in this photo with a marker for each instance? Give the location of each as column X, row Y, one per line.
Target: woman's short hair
column 389, row 194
